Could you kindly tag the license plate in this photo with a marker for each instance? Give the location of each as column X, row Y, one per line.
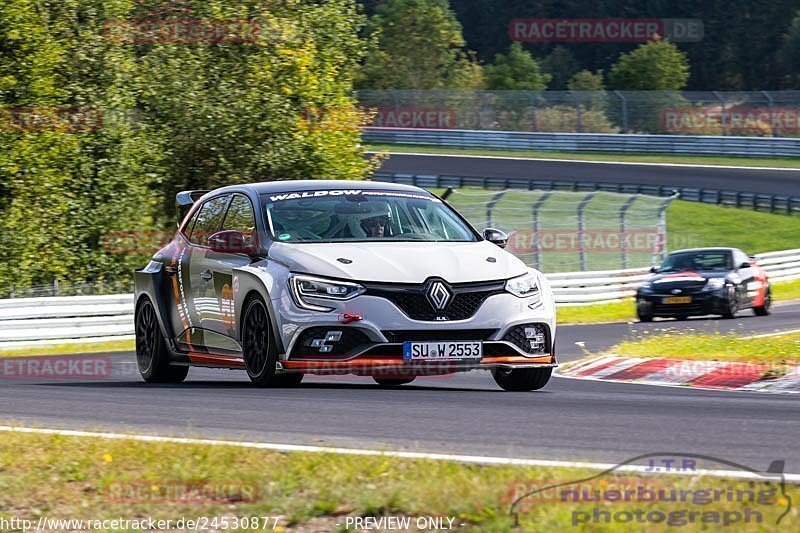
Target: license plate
column 442, row 351
column 677, row 300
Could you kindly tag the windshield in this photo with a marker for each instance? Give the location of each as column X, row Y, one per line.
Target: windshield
column 713, row 260
column 359, row 215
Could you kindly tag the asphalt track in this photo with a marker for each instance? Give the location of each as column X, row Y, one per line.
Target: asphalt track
column 740, row 179
column 467, row 414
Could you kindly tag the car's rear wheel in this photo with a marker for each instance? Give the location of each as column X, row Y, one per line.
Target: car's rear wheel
column 259, row 348
column 732, row 305
column 766, row 308
column 393, row 382
column 522, row 379
column 152, row 356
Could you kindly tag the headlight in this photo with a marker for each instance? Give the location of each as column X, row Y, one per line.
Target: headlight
column 714, row 284
column 304, row 287
column 525, row 286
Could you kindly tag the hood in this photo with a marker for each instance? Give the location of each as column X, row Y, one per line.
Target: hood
column 400, row 262
column 686, row 278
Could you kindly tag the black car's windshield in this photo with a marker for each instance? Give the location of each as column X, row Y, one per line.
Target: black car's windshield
column 711, row 260
column 362, row 215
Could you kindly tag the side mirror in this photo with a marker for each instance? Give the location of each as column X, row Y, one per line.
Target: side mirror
column 230, row 242
column 495, row 236
column 746, row 264
column 653, row 269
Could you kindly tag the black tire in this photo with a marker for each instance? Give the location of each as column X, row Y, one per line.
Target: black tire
column 393, row 382
column 765, row 309
column 522, row 379
column 642, row 314
column 259, row 349
column 152, row 356
column 732, row 305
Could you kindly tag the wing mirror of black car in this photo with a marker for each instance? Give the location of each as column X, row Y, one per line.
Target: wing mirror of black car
column 653, row 269
column 230, row 242
column 746, row 264
column 495, row 236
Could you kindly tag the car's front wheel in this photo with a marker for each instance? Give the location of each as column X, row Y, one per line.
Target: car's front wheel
column 522, row 379
column 152, row 356
column 259, row 348
column 732, row 305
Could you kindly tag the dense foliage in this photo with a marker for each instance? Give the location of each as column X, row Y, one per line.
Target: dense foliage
column 103, row 122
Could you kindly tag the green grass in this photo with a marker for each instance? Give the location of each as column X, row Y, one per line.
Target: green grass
column 743, row 161
column 77, row 348
column 787, row 290
column 71, row 477
column 715, row 347
column 594, row 314
column 691, row 224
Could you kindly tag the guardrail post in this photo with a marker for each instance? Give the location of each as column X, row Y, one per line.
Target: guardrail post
column 537, row 247
column 582, row 227
column 623, row 229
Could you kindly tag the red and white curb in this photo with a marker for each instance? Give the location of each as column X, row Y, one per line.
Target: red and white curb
column 715, row 375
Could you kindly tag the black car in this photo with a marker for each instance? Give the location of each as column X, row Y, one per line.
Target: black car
column 704, row 281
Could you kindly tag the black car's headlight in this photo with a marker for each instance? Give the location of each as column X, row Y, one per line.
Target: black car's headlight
column 714, row 284
column 304, row 287
column 526, row 286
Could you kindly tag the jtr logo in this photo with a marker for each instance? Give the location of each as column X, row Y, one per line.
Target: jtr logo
column 322, row 344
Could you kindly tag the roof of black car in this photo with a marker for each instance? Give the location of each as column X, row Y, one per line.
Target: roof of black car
column 316, row 185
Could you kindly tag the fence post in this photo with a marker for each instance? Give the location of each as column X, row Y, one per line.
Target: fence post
column 55, row 287
column 490, row 206
column 722, row 114
column 771, row 105
column 661, row 243
column 582, row 227
column 11, row 291
column 623, row 229
column 537, row 248
column 624, row 109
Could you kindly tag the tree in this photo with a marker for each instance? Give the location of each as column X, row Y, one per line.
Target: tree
column 653, row 66
column 789, row 54
column 588, row 87
column 516, row 71
column 561, row 65
column 418, row 44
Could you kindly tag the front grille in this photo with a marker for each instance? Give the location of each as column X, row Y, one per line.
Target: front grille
column 684, row 309
column 328, row 341
column 520, row 336
column 439, row 335
column 413, row 300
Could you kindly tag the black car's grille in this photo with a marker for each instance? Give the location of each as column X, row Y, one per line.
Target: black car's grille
column 439, row 335
column 414, row 300
column 328, row 341
column 518, row 336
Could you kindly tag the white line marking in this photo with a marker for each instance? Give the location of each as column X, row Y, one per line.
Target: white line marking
column 471, row 459
column 554, row 160
column 773, row 334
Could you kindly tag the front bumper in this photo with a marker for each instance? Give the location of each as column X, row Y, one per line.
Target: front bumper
column 374, row 344
column 703, row 303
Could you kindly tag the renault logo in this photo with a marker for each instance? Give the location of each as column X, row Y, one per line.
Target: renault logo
column 439, row 296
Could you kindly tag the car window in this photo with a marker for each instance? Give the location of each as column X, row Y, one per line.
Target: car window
column 209, row 220
column 241, row 217
column 187, row 229
column 711, row 260
column 362, row 215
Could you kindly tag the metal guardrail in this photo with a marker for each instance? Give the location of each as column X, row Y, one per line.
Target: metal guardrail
column 26, row 322
column 771, row 203
column 589, row 142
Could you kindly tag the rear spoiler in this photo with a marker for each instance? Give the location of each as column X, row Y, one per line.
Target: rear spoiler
column 184, row 201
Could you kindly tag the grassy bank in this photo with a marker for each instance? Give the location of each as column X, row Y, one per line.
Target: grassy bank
column 786, row 162
column 69, row 477
column 715, row 347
